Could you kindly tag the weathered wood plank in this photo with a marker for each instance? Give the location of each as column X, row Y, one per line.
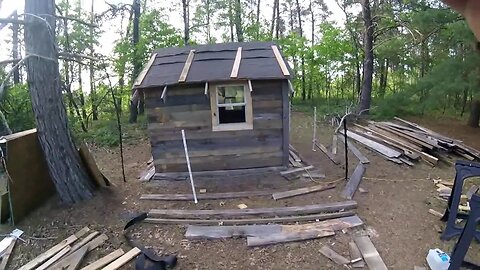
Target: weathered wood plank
column 219, row 173
column 301, row 191
column 355, row 255
column 287, row 219
column 334, row 256
column 370, row 253
column 207, row 196
column 146, row 68
column 186, row 67
column 7, row 254
column 306, row 231
column 380, row 148
column 55, row 258
column 354, row 182
column 236, row 63
column 404, row 135
column 104, row 260
column 355, row 151
column 296, row 170
column 286, row 122
column 276, row 211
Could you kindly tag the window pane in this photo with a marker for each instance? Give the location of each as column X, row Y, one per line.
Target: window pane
column 231, row 114
column 230, row 94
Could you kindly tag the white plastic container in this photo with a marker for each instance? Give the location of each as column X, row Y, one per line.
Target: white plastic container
column 438, row 260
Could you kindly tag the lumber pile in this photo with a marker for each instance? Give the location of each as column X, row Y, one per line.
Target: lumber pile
column 295, row 159
column 69, row 254
column 404, row 142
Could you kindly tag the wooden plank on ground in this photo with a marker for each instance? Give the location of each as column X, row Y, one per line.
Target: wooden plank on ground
column 355, row 151
column 73, row 259
column 54, row 250
column 429, row 158
column 84, row 241
column 91, row 166
column 301, row 191
column 148, row 174
column 380, row 148
column 334, row 256
column 291, row 233
column 186, row 67
column 354, row 181
column 314, row 175
column 53, row 259
column 296, row 170
column 207, row 196
column 236, row 63
column 7, row 254
column 288, row 219
column 280, row 61
column 275, row 211
column 104, row 260
column 355, row 255
column 404, row 135
column 125, row 258
column 331, row 156
column 370, row 253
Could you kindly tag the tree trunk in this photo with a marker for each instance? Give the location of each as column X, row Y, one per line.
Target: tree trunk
column 258, row 19
column 93, row 93
column 302, row 56
column 366, row 93
column 186, row 21
column 134, row 106
column 274, row 11
column 15, row 29
column 474, row 118
column 70, row 178
column 277, row 21
column 238, row 20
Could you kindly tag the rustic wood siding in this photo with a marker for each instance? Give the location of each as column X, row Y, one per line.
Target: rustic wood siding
column 186, row 107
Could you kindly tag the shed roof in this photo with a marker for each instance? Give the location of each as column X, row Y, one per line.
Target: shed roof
column 213, row 62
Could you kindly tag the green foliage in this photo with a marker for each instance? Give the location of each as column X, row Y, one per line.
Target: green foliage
column 16, row 105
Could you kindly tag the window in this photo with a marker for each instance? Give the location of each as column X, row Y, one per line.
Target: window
column 231, row 107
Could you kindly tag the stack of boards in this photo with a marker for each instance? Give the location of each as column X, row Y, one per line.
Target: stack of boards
column 403, row 142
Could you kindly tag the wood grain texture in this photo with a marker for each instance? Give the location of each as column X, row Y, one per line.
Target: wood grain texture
column 301, row 191
column 286, row 122
column 276, row 211
column 125, row 258
column 236, row 63
column 370, row 253
column 104, row 260
column 186, row 67
column 354, row 182
column 362, row 158
column 287, row 219
column 334, row 256
column 355, row 255
column 7, row 254
column 206, row 196
column 280, row 61
column 377, row 147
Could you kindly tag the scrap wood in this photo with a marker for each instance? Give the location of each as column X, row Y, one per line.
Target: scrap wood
column 334, row 256
column 354, row 181
column 6, row 255
column 313, row 175
column 53, row 259
column 406, row 135
column 334, row 144
column 377, row 147
column 73, row 259
column 91, row 166
column 276, row 211
column 83, row 242
column 122, row 260
column 355, row 256
column 291, row 233
column 301, row 191
column 354, row 150
column 220, row 232
column 207, row 196
column 104, row 260
column 54, row 250
column 294, row 156
column 472, row 190
column 435, row 213
column 311, row 217
column 330, row 155
column 296, row 170
column 370, row 253
column 147, row 174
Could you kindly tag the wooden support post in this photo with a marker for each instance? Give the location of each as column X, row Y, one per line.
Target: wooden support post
column 236, row 63
column 189, row 167
column 280, row 61
column 186, row 67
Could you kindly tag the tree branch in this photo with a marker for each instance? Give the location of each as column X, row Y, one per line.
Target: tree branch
column 9, row 61
column 76, row 55
column 75, row 19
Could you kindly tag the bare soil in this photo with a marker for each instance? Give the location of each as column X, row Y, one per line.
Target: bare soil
column 395, row 210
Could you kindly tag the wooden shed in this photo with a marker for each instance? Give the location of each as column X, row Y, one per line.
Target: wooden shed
column 232, row 100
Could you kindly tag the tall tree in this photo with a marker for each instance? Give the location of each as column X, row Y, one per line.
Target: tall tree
column 15, row 30
column 93, row 92
column 302, row 56
column 70, row 178
column 136, row 105
column 369, row 28
column 238, row 20
column 186, row 21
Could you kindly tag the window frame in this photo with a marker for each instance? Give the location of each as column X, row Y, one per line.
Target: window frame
column 216, row 126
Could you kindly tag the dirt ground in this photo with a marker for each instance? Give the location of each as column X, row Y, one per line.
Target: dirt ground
column 395, row 210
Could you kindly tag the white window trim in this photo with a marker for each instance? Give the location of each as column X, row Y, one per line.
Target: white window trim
column 247, row 125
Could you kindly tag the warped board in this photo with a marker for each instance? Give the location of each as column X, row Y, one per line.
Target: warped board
column 250, row 221
column 355, row 151
column 207, row 196
column 370, row 253
column 276, row 211
column 377, row 147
